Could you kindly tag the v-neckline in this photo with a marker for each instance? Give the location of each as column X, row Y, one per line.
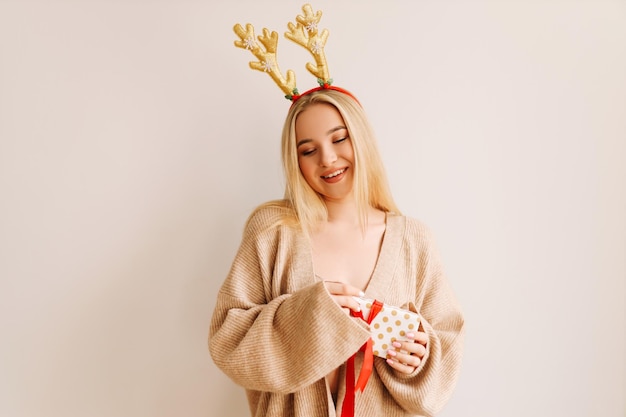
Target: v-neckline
column 383, row 269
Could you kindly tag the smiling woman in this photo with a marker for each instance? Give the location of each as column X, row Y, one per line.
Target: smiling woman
column 287, row 324
column 284, row 325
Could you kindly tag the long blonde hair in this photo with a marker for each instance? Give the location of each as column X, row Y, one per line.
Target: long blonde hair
column 370, row 180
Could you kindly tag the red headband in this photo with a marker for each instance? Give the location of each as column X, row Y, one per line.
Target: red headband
column 323, row 86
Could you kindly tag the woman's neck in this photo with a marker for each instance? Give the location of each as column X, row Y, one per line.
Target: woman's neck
column 343, row 212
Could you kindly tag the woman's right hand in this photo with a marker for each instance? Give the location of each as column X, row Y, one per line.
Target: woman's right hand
column 343, row 294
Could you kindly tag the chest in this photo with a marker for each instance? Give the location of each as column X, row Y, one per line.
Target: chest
column 349, row 257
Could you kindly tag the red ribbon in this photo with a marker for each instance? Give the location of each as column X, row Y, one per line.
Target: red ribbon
column 347, row 409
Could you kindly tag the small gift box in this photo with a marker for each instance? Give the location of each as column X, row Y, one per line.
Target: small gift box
column 388, row 324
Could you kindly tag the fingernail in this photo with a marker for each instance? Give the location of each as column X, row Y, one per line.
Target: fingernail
column 389, row 361
column 391, row 352
column 410, row 335
column 361, row 294
column 397, row 344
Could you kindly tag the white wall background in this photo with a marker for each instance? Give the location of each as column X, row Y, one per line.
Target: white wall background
column 134, row 141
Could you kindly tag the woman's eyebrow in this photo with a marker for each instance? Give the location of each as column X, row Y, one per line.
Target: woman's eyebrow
column 303, row 141
column 334, row 129
column 331, row 131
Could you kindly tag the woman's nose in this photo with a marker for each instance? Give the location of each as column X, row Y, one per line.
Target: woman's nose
column 328, row 157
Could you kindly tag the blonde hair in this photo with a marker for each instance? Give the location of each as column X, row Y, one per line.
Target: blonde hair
column 370, row 187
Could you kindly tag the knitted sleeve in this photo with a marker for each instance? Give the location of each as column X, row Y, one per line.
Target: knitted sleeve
column 277, row 343
column 430, row 386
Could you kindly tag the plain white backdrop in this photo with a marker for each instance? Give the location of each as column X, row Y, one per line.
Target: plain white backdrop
column 135, row 140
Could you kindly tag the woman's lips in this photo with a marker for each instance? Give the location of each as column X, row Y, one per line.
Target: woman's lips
column 334, row 176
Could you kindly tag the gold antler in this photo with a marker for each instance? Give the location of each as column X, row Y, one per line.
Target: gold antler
column 305, row 33
column 266, row 56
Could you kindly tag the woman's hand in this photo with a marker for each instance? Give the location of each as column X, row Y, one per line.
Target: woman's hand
column 342, row 293
column 415, row 350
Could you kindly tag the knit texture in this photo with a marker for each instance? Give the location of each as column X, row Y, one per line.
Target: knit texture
column 276, row 331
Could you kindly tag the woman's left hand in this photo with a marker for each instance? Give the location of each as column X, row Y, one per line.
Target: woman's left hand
column 415, row 349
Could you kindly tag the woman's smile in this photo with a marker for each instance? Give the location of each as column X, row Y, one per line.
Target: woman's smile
column 335, row 176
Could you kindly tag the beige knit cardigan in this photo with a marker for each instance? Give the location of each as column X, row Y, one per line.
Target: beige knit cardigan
column 277, row 332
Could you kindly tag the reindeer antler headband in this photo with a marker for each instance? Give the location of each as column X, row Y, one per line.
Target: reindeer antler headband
column 305, row 33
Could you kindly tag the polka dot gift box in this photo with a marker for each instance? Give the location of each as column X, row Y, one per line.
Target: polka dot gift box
column 389, row 324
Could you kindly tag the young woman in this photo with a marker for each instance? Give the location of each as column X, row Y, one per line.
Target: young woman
column 281, row 326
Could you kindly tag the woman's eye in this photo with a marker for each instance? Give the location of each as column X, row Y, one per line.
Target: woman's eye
column 308, row 152
column 340, row 140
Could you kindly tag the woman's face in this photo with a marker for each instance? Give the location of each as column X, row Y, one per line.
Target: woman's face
column 325, row 153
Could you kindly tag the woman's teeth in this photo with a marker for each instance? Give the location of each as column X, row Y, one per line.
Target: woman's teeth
column 334, row 174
